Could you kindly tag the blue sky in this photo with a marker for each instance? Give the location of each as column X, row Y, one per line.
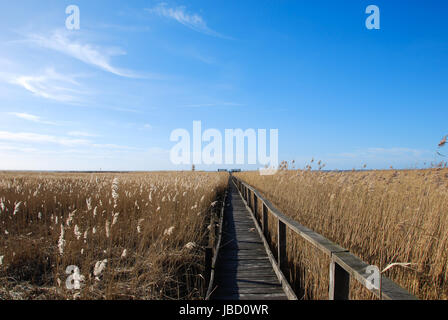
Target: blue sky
column 108, row 96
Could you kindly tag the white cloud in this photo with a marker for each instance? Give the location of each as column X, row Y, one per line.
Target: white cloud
column 39, row 138
column 374, row 157
column 113, row 146
column 370, row 153
column 26, row 116
column 6, row 62
column 31, row 117
column 190, row 20
column 158, row 151
column 49, row 85
column 36, row 138
column 18, row 158
column 81, row 134
column 87, row 53
column 8, row 147
column 218, row 104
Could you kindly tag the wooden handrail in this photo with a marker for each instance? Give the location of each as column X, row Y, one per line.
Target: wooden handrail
column 211, row 259
column 344, row 265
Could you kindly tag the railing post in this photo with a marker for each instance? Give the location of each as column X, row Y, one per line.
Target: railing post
column 339, row 282
column 265, row 221
column 208, row 265
column 256, row 206
column 281, row 244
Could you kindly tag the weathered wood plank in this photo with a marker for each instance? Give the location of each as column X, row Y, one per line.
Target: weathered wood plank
column 339, row 288
column 267, row 285
column 244, row 259
column 358, row 269
column 247, row 276
column 253, row 297
column 281, row 246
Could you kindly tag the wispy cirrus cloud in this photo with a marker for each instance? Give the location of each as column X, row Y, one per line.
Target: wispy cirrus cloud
column 190, row 20
column 377, row 157
column 81, row 134
column 397, row 152
column 217, row 104
column 49, row 85
column 63, row 42
column 32, row 118
column 37, row 138
column 26, row 116
column 9, row 147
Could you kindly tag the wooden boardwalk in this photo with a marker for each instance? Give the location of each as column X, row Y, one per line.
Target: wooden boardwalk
column 243, row 269
column 243, row 266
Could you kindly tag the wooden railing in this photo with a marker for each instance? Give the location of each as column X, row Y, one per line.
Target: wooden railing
column 211, row 252
column 343, row 266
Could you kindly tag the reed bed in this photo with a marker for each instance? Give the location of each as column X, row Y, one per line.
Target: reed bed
column 384, row 217
column 131, row 235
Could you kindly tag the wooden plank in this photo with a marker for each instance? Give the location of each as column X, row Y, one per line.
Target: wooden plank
column 247, row 254
column 218, row 246
column 227, row 268
column 265, row 220
column 257, row 249
column 251, row 290
column 281, row 244
column 262, row 275
column 208, row 264
column 242, row 259
column 253, row 297
column 255, row 206
column 242, row 252
column 244, row 265
column 247, row 264
column 240, row 246
column 266, row 285
column 339, row 288
column 357, row 269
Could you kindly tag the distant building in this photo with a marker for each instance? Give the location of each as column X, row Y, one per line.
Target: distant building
column 222, row 170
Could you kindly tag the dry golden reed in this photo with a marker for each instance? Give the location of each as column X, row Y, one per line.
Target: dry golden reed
column 132, row 235
column 383, row 217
